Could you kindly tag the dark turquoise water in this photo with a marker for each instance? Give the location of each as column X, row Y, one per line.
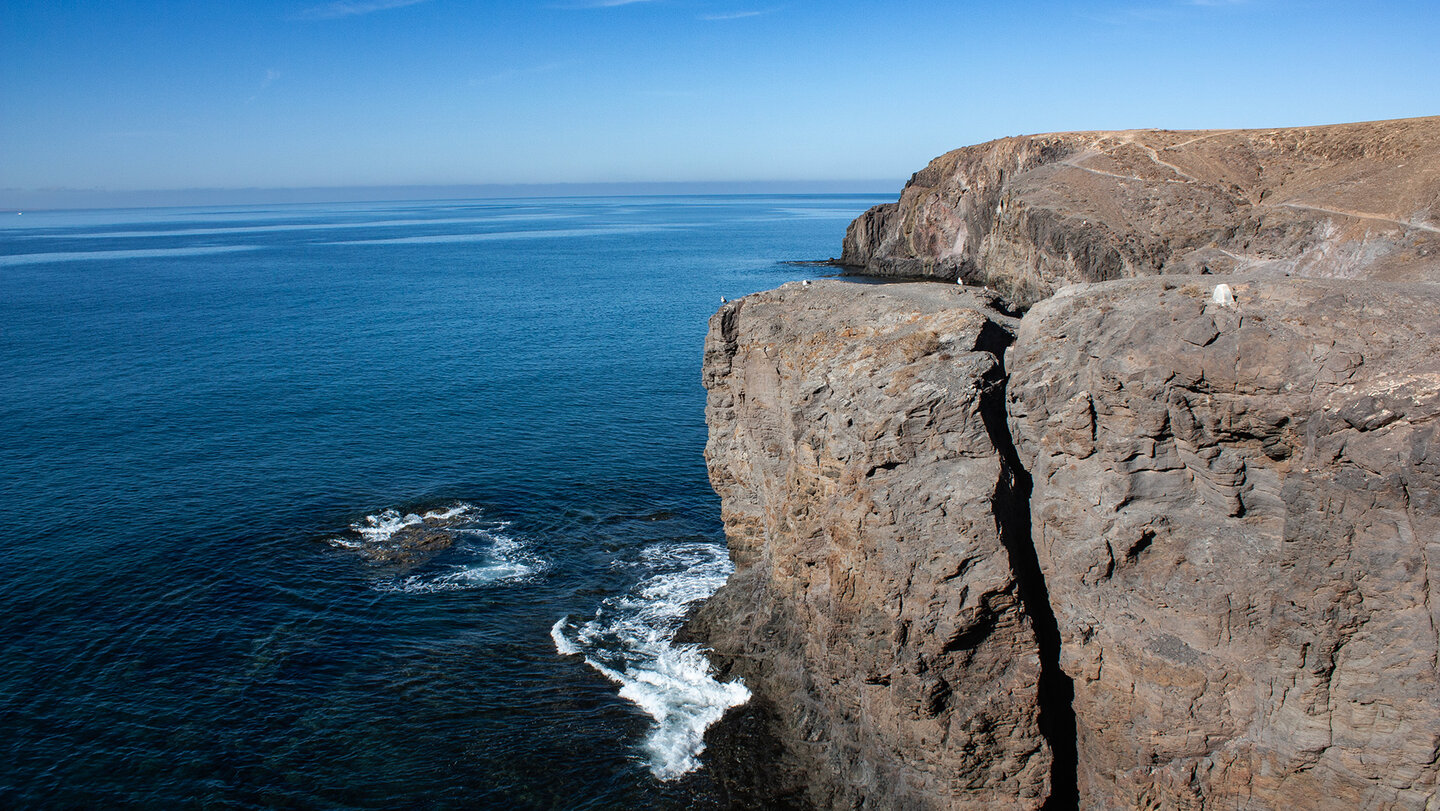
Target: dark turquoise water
column 223, row 432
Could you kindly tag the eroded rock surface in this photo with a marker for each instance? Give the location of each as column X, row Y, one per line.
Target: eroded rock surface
column 1237, row 512
column 873, row 611
column 1027, row 215
column 1172, row 550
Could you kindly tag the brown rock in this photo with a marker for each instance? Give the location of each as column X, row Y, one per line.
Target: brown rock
column 1027, row 215
column 1217, row 527
column 1236, row 510
column 412, row 544
column 874, row 612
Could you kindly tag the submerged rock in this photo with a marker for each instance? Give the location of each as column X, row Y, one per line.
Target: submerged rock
column 411, row 544
column 406, row 539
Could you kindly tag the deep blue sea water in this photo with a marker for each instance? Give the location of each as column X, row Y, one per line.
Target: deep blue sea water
column 366, row 505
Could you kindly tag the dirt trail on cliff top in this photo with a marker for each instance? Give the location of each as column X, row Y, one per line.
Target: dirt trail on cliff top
column 1030, row 214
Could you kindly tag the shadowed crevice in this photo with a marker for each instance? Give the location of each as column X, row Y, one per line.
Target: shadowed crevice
column 1012, row 500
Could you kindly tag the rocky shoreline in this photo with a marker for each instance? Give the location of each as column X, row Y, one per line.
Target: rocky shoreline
column 1149, row 524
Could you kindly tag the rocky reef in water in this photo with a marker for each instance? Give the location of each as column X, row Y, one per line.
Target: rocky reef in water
column 1103, row 538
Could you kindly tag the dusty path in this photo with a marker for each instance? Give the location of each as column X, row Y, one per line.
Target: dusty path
column 1155, row 156
column 1074, row 163
column 1200, row 138
column 1362, row 216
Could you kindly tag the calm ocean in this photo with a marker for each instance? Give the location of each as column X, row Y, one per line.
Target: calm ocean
column 361, row 506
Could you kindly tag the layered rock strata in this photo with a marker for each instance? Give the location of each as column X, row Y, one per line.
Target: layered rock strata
column 1027, row 215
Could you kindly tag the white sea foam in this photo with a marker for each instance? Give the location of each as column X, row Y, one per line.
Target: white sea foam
column 382, row 526
column 503, row 559
column 630, row 642
column 557, row 634
column 482, row 553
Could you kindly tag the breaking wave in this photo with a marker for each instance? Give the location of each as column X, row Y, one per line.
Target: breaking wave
column 447, row 549
column 630, row 641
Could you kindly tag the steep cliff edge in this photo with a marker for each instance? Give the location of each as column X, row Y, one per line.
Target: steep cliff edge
column 1156, row 544
column 874, row 607
column 1027, row 215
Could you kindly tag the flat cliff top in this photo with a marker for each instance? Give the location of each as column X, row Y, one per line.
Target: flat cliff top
column 1029, row 214
column 1380, row 171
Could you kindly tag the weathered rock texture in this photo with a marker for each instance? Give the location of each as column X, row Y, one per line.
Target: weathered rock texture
column 1029, row 214
column 1170, row 550
column 1237, row 511
column 874, row 609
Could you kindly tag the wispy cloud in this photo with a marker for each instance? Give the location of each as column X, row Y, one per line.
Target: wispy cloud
column 737, row 15
column 353, row 8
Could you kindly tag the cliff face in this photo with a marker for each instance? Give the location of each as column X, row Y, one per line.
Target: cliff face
column 1236, row 509
column 1027, row 215
column 1170, row 549
column 874, row 604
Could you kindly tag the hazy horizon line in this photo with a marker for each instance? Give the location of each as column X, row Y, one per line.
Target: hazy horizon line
column 59, row 199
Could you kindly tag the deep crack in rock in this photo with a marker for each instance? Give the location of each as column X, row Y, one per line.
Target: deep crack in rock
column 1012, row 502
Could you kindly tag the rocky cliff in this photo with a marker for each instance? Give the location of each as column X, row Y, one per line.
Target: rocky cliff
column 1027, row 215
column 1158, row 543
column 864, row 500
column 1236, row 508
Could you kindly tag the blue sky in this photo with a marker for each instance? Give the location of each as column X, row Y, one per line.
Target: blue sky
column 279, row 93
